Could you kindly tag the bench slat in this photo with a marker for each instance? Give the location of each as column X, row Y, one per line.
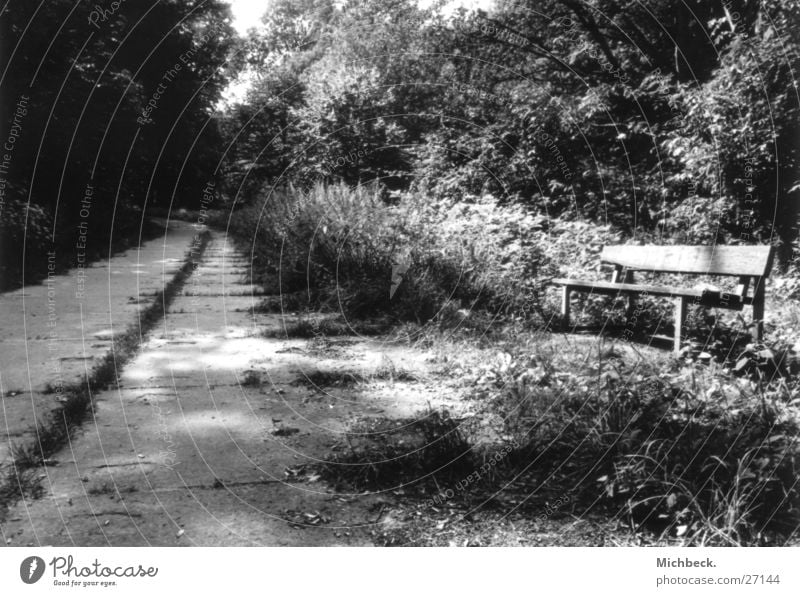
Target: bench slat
column 709, row 260
column 703, row 297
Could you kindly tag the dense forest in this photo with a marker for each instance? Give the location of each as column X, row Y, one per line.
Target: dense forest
column 644, row 115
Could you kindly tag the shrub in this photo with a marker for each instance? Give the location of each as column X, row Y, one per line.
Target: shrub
column 22, row 225
column 417, row 260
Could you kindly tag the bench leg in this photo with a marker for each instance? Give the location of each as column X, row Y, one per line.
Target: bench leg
column 628, row 279
column 758, row 313
column 680, row 320
column 631, row 306
column 565, row 294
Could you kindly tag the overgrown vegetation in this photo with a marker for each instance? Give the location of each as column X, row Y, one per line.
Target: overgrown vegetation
column 323, row 379
column 345, row 250
column 662, row 119
column 382, row 453
column 688, row 450
column 680, row 452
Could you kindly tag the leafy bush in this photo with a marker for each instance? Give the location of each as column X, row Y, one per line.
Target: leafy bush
column 572, row 249
column 22, row 225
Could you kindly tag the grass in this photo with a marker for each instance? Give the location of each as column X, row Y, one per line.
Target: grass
column 347, row 378
column 383, row 453
column 347, row 250
column 308, row 327
column 676, row 452
column 320, row 379
column 689, row 452
column 388, row 371
column 282, row 303
column 52, row 434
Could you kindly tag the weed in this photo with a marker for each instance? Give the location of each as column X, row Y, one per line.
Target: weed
column 379, row 453
column 389, row 372
column 688, row 451
column 320, row 379
column 349, row 250
column 308, row 328
column 104, row 489
column 251, row 378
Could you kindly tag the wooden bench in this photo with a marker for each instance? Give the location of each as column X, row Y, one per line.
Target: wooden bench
column 751, row 264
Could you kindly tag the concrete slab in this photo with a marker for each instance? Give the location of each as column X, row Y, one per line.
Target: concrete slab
column 52, row 334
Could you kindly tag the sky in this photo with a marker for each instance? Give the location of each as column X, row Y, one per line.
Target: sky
column 246, row 13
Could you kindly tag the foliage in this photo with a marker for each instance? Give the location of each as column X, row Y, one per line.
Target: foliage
column 118, row 101
column 21, row 223
column 413, row 259
column 673, row 119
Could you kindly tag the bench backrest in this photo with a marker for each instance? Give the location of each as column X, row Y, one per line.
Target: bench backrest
column 753, row 261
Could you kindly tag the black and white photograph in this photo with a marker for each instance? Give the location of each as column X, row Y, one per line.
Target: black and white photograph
column 399, row 273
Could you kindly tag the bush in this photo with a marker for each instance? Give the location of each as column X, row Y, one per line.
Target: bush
column 22, row 226
column 417, row 260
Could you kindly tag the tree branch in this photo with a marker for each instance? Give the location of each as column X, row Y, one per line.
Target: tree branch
column 593, row 29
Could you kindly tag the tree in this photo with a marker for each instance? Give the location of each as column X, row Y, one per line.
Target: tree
column 104, row 114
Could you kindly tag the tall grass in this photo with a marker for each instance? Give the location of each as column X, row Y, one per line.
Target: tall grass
column 413, row 259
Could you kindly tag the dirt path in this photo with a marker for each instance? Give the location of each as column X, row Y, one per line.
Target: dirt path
column 205, row 439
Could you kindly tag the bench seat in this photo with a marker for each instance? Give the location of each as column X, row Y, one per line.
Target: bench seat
column 702, row 297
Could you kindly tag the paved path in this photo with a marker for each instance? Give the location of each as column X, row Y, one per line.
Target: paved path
column 52, row 334
column 193, row 446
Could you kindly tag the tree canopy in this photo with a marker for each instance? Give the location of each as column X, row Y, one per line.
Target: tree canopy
column 676, row 118
column 120, row 112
